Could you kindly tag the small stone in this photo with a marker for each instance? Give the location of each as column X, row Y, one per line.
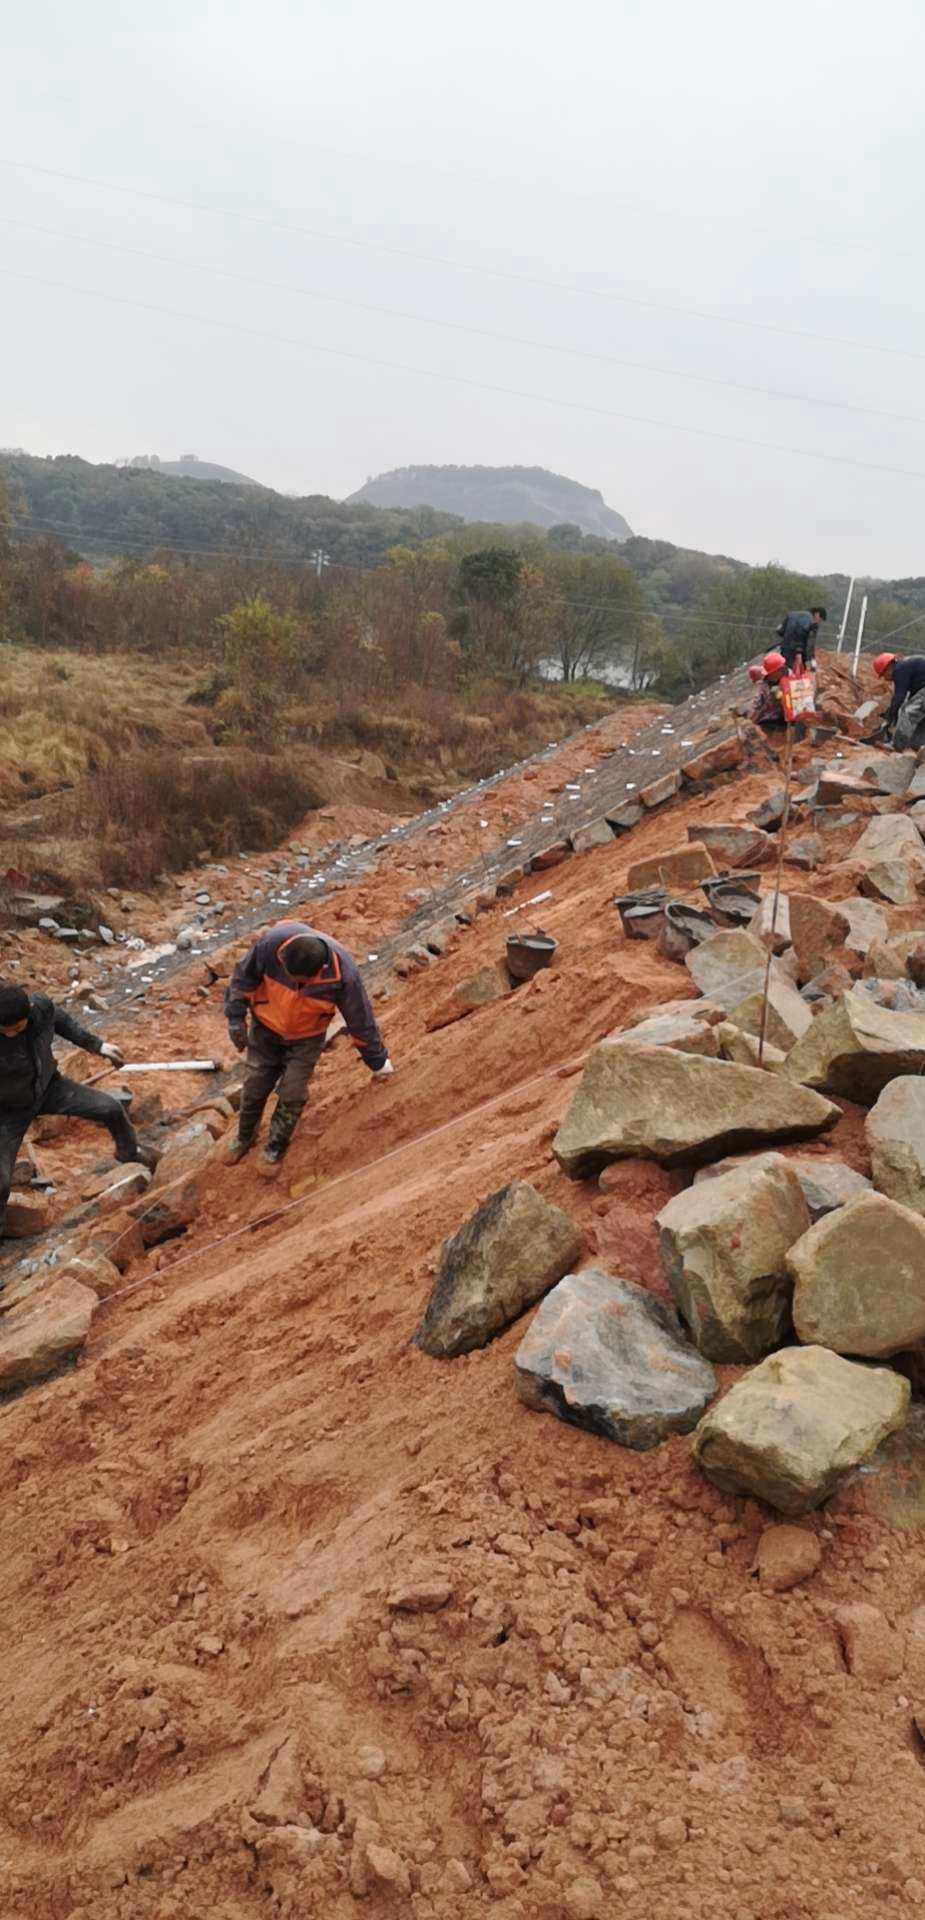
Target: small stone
column 787, row 1555
column 423, row 1596
column 670, row 1833
column 371, row 1763
column 210, row 1645
column 387, row 1868
column 584, row 1899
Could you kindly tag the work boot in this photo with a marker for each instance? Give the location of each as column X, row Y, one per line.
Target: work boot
column 282, row 1128
column 237, row 1149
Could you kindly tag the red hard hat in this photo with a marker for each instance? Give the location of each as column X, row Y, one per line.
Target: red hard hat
column 773, row 662
column 883, row 662
column 756, row 673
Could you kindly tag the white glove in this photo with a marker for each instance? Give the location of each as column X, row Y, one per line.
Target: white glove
column 382, row 1073
column 109, row 1052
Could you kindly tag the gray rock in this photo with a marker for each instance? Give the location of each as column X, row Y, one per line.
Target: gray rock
column 826, row 1184
column 787, row 1019
column 603, row 1355
column 724, row 1244
column 597, row 833
column 866, row 923
column 859, row 1279
column 726, row 959
column 44, row 1331
column 891, row 772
column 796, row 1423
column 890, row 836
column 679, row 1030
column 893, row 881
column 653, row 1102
column 895, row 1132
column 734, row 845
column 805, row 852
column 512, row 1250
column 760, row 927
column 855, row 1048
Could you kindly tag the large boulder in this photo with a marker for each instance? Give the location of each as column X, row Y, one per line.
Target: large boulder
column 887, row 959
column 491, row 983
column 787, row 1019
column 788, row 1431
column 729, row 957
column 818, row 931
column 896, row 1141
column 893, row 881
column 173, row 1198
column 736, row 844
column 854, row 1048
column 859, row 1279
column 602, row 1354
column 512, row 1250
column 683, row 1031
column 890, row 836
column 724, row 1244
column 867, row 922
column 678, row 867
column 826, row 1184
column 47, row 1329
column 655, row 1103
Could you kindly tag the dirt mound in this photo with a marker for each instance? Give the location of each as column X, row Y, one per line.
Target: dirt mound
column 298, row 1620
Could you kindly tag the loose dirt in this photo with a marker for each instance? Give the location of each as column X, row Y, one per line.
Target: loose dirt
column 297, row 1621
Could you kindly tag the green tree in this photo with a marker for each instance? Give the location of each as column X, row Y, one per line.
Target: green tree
column 600, row 620
column 264, row 650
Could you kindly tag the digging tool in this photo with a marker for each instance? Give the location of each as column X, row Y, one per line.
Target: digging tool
column 158, row 1066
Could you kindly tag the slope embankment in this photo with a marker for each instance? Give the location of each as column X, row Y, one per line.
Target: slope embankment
column 298, row 1620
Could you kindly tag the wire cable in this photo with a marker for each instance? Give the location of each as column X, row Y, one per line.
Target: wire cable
column 459, row 326
column 471, row 384
column 459, row 266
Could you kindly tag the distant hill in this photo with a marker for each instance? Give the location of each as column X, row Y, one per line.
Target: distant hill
column 190, row 467
column 102, row 511
column 509, row 496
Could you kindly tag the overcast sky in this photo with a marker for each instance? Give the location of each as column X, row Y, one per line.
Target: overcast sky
column 566, row 177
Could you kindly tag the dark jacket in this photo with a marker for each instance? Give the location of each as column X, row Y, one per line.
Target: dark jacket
column 797, row 634
column 908, row 678
column 302, row 1011
column 27, row 1064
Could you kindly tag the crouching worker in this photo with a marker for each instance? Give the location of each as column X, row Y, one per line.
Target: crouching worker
column 292, row 983
column 30, row 1082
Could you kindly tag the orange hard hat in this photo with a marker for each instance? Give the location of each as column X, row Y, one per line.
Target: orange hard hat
column 883, row 662
column 756, row 673
column 773, row 662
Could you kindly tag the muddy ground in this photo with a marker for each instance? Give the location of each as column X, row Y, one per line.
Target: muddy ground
column 297, row 1621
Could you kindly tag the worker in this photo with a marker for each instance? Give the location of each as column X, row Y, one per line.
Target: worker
column 905, row 719
column 292, row 983
column 30, row 1082
column 767, row 707
column 797, row 635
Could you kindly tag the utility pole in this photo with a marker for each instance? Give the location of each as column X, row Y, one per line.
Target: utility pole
column 844, row 618
column 320, row 560
column 857, row 644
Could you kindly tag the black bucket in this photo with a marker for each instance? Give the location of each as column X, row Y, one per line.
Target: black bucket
column 529, row 953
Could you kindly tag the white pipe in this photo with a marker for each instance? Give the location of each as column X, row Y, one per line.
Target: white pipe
column 857, row 644
column 844, row 618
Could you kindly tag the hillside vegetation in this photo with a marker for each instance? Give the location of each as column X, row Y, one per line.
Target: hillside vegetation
column 508, row 495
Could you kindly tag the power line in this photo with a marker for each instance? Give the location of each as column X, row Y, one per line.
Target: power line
column 464, row 380
column 460, row 266
column 459, row 326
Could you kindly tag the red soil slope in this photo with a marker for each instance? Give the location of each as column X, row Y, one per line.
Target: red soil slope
column 214, row 1705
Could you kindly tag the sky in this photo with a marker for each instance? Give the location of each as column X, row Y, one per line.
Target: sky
column 315, row 242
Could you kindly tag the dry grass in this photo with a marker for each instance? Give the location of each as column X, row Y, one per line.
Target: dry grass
column 62, row 716
column 111, row 772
